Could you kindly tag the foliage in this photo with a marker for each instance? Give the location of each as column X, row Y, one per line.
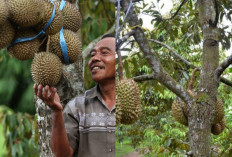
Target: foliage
column 16, row 85
column 97, row 18
column 20, row 132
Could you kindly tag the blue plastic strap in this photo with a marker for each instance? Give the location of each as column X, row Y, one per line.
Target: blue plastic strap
column 63, row 46
column 51, row 19
column 62, row 4
column 19, row 40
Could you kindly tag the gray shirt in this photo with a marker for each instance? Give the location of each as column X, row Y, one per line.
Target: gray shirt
column 90, row 125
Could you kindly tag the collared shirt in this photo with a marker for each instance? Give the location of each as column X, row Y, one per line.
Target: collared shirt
column 90, row 125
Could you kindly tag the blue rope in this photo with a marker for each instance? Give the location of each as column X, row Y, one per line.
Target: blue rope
column 63, row 44
column 19, row 40
column 62, row 4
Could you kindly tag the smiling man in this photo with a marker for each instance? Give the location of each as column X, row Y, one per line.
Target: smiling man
column 86, row 127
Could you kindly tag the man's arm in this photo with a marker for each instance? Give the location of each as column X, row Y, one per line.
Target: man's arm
column 59, row 140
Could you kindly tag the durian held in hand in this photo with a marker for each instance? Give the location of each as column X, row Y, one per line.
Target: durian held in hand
column 180, row 111
column 128, row 106
column 46, row 69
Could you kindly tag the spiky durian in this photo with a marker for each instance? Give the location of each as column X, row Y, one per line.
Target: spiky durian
column 128, row 106
column 72, row 17
column 57, row 22
column 25, row 50
column 219, row 127
column 26, row 13
column 7, row 33
column 179, row 111
column 3, row 12
column 46, row 69
column 73, row 43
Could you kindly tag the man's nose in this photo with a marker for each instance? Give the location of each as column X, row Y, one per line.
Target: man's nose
column 96, row 57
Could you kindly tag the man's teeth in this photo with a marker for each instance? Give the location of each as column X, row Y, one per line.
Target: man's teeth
column 96, row 68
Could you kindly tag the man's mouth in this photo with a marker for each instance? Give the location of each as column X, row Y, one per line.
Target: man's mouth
column 96, row 68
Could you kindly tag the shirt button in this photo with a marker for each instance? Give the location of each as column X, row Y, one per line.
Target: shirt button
column 110, row 150
column 108, row 114
column 109, row 131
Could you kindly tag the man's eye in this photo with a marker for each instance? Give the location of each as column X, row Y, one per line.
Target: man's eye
column 104, row 52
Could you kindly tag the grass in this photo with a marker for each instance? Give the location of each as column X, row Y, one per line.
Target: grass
column 123, row 148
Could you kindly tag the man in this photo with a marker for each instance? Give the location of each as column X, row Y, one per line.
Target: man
column 86, row 128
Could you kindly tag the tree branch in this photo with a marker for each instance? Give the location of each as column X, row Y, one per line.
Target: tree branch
column 124, row 39
column 159, row 73
column 222, row 67
column 174, row 53
column 86, row 52
column 225, row 81
column 177, row 11
column 143, row 78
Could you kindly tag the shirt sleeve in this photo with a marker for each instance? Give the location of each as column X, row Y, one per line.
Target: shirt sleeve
column 71, row 123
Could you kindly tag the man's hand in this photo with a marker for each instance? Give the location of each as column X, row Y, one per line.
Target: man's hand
column 49, row 96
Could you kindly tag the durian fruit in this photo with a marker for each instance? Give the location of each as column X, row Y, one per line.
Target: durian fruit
column 57, row 22
column 25, row 50
column 219, row 111
column 219, row 127
column 179, row 115
column 73, row 43
column 3, row 12
column 26, row 13
column 72, row 17
column 46, row 69
column 128, row 106
column 7, row 33
column 177, row 111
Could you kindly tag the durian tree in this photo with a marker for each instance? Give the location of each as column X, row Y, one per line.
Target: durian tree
column 187, row 38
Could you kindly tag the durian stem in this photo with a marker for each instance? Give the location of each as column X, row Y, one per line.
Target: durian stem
column 42, row 41
column 48, row 44
column 190, row 85
column 120, row 65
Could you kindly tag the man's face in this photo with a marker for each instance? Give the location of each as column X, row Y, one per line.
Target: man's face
column 102, row 61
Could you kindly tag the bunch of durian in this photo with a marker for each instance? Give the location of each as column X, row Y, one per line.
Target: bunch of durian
column 23, row 19
column 180, row 112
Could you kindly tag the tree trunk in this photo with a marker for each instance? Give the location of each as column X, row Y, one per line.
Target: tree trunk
column 70, row 85
column 201, row 113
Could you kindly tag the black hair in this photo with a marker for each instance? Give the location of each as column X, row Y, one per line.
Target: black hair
column 108, row 35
